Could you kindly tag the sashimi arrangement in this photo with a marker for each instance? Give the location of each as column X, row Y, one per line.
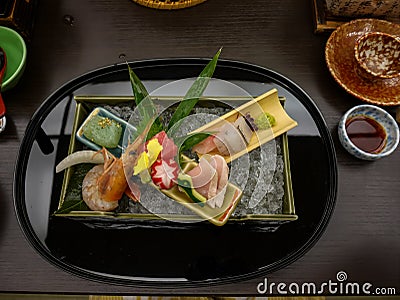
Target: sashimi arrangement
column 156, row 157
column 232, row 138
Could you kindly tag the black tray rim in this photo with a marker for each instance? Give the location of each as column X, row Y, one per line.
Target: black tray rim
column 53, row 99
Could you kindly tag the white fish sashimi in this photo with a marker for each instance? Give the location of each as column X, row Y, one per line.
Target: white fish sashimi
column 205, row 146
column 244, row 128
column 219, row 163
column 219, row 198
column 232, row 139
column 222, row 148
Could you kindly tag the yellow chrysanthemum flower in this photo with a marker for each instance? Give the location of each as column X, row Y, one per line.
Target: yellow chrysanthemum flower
column 153, row 150
column 142, row 163
column 146, row 159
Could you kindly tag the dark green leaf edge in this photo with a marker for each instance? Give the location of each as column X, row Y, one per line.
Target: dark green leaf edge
column 195, row 91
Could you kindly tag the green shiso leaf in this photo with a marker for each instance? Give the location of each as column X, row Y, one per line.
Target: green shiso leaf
column 187, row 142
column 195, row 91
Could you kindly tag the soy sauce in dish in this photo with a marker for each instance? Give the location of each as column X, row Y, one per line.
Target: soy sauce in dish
column 366, row 133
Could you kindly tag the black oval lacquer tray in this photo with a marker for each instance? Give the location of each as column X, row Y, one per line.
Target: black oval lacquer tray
column 149, row 255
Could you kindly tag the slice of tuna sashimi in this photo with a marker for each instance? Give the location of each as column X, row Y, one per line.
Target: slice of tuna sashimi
column 210, row 178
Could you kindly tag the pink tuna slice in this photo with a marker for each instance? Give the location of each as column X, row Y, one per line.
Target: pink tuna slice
column 210, row 178
column 204, row 178
column 169, row 148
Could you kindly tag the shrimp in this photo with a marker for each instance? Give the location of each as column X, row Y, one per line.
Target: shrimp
column 91, row 194
column 104, row 185
column 110, row 184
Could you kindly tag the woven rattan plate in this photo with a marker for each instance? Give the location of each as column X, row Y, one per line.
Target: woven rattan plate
column 168, row 4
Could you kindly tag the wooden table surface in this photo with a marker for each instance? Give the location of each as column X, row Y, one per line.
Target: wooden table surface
column 363, row 236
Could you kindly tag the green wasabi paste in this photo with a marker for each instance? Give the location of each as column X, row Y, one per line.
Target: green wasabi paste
column 265, row 121
column 103, row 131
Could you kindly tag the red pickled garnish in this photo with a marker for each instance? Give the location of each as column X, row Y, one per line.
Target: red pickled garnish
column 164, row 173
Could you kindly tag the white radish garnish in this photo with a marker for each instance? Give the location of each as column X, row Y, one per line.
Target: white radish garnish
column 80, row 157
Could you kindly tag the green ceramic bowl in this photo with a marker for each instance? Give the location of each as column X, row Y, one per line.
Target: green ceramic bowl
column 15, row 49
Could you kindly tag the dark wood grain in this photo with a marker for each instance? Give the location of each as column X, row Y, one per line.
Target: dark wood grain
column 363, row 237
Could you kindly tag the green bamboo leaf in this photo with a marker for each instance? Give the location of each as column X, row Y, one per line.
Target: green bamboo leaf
column 155, row 128
column 139, row 90
column 195, row 91
column 146, row 109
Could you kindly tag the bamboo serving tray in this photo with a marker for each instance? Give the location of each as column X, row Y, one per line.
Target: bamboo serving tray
column 85, row 104
column 268, row 102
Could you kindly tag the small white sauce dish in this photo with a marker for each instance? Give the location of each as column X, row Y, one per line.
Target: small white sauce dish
column 380, row 116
